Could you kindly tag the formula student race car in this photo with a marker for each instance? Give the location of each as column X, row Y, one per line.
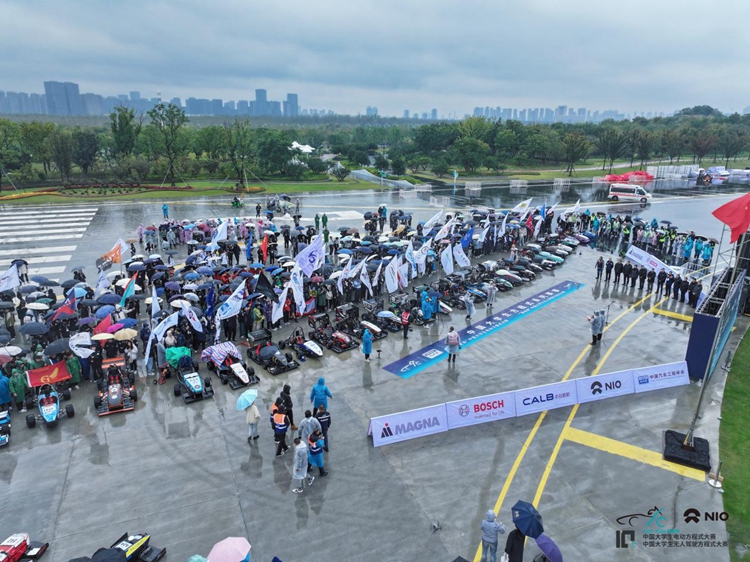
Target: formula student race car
column 20, row 547
column 326, row 336
column 190, row 385
column 301, row 345
column 271, row 359
column 4, row 428
column 48, row 402
column 226, row 361
column 116, row 393
column 136, row 547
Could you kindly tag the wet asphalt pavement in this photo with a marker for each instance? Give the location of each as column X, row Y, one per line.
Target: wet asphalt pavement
column 186, row 474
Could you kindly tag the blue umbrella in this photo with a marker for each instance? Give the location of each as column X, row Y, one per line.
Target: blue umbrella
column 246, row 399
column 549, row 548
column 161, row 268
column 157, row 276
column 245, row 274
column 255, row 265
column 136, row 267
column 77, row 291
column 277, row 271
column 254, row 296
column 26, row 289
column 205, row 286
column 39, row 279
column 109, row 298
column 527, row 519
column 87, row 320
column 393, row 252
column 205, row 270
column 272, row 267
column 191, row 276
column 104, row 311
column 345, row 252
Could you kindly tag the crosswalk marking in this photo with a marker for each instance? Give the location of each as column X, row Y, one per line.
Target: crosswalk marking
column 19, row 229
column 46, row 270
column 42, row 231
column 26, row 211
column 29, row 251
column 41, row 238
column 47, row 220
column 40, row 259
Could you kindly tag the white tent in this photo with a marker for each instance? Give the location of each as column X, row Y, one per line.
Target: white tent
column 304, row 148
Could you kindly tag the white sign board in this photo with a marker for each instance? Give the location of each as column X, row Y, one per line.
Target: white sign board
column 660, row 376
column 408, row 425
column 604, row 386
column 639, row 257
column 546, row 397
column 481, row 409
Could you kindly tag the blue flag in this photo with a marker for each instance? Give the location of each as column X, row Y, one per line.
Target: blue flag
column 467, row 238
column 210, row 302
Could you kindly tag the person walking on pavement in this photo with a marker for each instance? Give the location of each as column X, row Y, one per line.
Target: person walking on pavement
column 252, row 415
column 490, row 531
column 453, row 342
column 299, row 471
column 165, row 210
column 307, row 426
column 286, row 397
column 367, row 344
column 315, row 451
column 320, row 394
column 280, row 426
column 324, row 419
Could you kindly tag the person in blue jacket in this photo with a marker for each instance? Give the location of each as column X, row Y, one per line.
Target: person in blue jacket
column 4, row 392
column 427, row 308
column 320, row 394
column 367, row 344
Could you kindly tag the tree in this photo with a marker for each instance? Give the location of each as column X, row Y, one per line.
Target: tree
column 704, row 110
column 644, row 147
column 361, row 158
column 610, row 143
column 85, row 149
column 62, row 153
column 381, row 162
column 673, row 143
column 575, row 148
column 11, row 155
column 315, row 165
column 439, row 167
column 125, row 130
column 238, row 139
column 35, row 139
column 496, row 164
column 477, row 128
column 398, row 166
column 169, row 120
column 435, row 137
column 700, row 144
column 470, row 153
column 731, row 143
column 272, row 150
column 340, row 172
column 211, row 142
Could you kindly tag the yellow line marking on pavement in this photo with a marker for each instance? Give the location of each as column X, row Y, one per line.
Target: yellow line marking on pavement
column 670, row 314
column 632, row 452
column 540, row 419
column 574, row 411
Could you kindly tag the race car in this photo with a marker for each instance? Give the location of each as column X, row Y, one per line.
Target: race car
column 326, row 336
column 190, row 385
column 137, row 547
column 299, row 343
column 271, row 359
column 226, row 361
column 20, row 547
column 4, row 428
column 116, row 393
column 50, row 412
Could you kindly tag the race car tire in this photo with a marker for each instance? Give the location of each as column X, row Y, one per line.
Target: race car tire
column 224, row 379
column 97, row 402
column 211, row 365
column 196, row 366
column 289, row 357
column 134, row 395
column 282, row 344
column 69, row 410
column 250, row 372
column 168, row 374
column 66, row 394
column 29, row 402
column 207, row 380
column 50, row 424
column 30, row 421
column 177, row 390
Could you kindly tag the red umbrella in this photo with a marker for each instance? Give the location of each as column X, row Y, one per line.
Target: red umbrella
column 115, row 327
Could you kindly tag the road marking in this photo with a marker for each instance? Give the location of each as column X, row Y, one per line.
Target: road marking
column 676, row 315
column 42, row 231
column 535, row 429
column 37, row 210
column 46, row 270
column 19, row 229
column 41, row 259
column 27, row 251
column 628, row 451
column 45, row 220
column 41, row 238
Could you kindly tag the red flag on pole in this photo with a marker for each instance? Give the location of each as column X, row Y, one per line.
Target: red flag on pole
column 736, row 215
column 264, row 247
column 50, row 374
column 530, row 222
column 103, row 325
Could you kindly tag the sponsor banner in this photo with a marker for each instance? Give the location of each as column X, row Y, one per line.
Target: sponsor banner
column 408, row 425
column 660, row 376
column 639, row 257
column 430, row 355
column 482, row 409
column 546, row 397
column 604, row 386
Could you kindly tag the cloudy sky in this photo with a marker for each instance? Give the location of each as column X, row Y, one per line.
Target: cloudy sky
column 453, row 55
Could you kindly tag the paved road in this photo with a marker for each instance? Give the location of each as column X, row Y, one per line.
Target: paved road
column 186, row 473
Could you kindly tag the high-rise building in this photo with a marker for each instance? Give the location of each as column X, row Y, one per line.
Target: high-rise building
column 406, row 113
column 92, row 104
column 63, row 98
column 135, row 96
column 433, row 114
column 371, row 111
column 217, row 107
column 243, row 107
column 176, row 101
column 229, row 108
column 260, row 107
column 291, row 106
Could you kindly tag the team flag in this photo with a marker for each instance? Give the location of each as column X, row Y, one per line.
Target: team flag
column 69, row 306
column 736, row 215
column 129, row 290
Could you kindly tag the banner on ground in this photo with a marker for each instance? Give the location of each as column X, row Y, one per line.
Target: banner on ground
column 51, row 374
column 545, row 397
column 640, row 257
column 481, row 409
column 608, row 385
column 408, row 425
column 660, row 376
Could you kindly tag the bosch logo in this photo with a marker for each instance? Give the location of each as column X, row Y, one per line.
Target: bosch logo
column 491, row 405
column 463, row 411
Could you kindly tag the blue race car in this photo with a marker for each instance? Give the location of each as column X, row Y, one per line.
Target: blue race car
column 4, row 428
column 50, row 411
column 190, row 385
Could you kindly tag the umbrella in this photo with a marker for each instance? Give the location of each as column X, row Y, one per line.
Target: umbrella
column 5, row 305
column 104, row 311
column 205, row 270
column 386, row 314
column 114, row 327
column 89, row 302
column 192, row 297
column 231, row 549
column 33, row 329
column 172, row 286
column 136, row 267
column 4, row 339
column 37, row 306
column 11, row 350
column 527, row 519
column 26, row 289
column 77, row 291
column 57, row 347
column 108, row 298
column 267, row 352
column 549, row 548
column 125, row 334
column 254, row 265
column 246, row 399
column 102, row 337
column 179, row 303
column 69, row 284
column 87, row 320
column 192, row 276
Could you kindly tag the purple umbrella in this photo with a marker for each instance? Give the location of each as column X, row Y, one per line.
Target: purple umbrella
column 172, row 286
column 549, row 548
column 87, row 320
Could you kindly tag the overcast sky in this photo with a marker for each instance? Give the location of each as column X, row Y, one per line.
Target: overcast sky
column 344, row 55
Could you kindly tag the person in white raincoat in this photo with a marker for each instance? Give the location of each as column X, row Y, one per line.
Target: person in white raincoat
column 299, row 472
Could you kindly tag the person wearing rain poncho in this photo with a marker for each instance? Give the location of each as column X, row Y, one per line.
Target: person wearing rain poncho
column 427, row 306
column 597, row 326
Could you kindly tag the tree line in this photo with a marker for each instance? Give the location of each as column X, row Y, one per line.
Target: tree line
column 162, row 145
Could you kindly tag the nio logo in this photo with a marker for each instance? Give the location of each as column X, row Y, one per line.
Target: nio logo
column 692, row 515
column 596, row 387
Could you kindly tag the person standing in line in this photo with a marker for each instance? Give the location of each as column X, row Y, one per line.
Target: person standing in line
column 300, row 466
column 315, row 452
column 252, row 415
column 633, row 277
column 642, row 273
column 650, row 276
column 453, row 341
column 490, row 531
column 684, row 284
column 660, row 279
column 676, row 286
column 18, row 388
column 367, row 344
column 317, row 222
column 324, row 221
column 280, row 426
column 608, row 270
column 165, row 210
column 324, row 419
column 491, row 292
column 286, row 397
column 618, row 271
column 320, row 394
column 599, row 268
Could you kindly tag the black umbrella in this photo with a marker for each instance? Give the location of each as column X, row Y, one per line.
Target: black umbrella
column 33, row 329
column 5, row 305
column 57, row 347
column 267, row 352
column 108, row 298
column 69, row 284
column 77, row 268
column 89, row 302
column 4, row 339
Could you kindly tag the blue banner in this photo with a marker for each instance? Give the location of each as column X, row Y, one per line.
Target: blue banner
column 434, row 353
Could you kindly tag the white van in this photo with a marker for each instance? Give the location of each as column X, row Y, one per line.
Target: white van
column 628, row 192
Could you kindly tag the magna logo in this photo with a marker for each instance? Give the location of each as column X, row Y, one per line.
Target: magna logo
column 596, row 386
column 409, row 427
column 489, row 406
column 528, row 401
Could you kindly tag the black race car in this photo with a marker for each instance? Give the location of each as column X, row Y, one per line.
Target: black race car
column 116, row 393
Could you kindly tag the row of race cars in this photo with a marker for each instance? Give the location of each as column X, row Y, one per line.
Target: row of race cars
column 128, row 548
column 116, row 392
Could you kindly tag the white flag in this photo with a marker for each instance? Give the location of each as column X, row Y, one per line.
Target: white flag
column 278, row 307
column 446, row 259
column 433, row 221
column 103, row 282
column 403, row 275
column 77, row 340
column 298, row 288
column 376, row 280
column 357, row 268
column 344, row 275
column 461, row 258
column 552, row 209
column 312, row 257
column 410, row 257
column 443, row 232
column 538, row 227
column 219, row 234
column 391, row 276
column 233, row 305
column 169, row 322
column 576, row 207
column 365, row 278
column 483, row 234
column 189, row 313
column 9, row 279
column 155, row 307
column 522, row 206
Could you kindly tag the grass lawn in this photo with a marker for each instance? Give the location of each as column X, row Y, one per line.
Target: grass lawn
column 734, row 436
